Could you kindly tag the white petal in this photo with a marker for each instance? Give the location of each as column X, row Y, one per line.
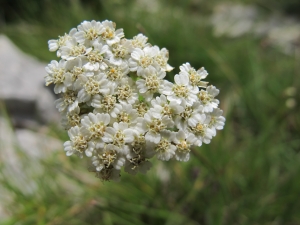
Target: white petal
column 153, row 137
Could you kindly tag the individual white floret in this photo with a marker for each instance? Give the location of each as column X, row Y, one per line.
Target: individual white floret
column 119, row 135
column 120, row 52
column 110, row 35
column 57, row 74
column 127, row 91
column 154, row 126
column 182, row 91
column 142, row 59
column 202, row 131
column 152, row 82
column 217, row 121
column 162, row 57
column 183, row 142
column 140, row 41
column 106, row 104
column 72, row 50
column 70, row 118
column 95, row 58
column 55, row 45
column 77, row 144
column 194, row 76
column 91, row 86
column 127, row 114
column 68, row 101
column 117, row 73
column 75, row 67
column 107, row 157
column 162, row 107
column 89, row 31
column 164, row 149
column 207, row 98
column 95, row 125
column 189, row 116
column 141, row 107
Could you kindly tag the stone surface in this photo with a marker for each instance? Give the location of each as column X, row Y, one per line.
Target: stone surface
column 16, row 143
column 234, row 20
column 22, row 86
column 29, row 104
column 37, row 145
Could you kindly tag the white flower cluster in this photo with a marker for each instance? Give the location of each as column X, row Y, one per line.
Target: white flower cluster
column 118, row 108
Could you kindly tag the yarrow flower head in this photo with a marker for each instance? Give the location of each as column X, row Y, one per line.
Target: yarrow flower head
column 117, row 106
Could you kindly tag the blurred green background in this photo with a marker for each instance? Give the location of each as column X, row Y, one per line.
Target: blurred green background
column 249, row 174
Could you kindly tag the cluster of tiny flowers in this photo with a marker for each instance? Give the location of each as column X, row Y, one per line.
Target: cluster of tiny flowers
column 118, row 108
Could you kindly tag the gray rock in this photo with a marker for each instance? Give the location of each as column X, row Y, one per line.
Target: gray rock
column 34, row 145
column 22, row 87
column 37, row 145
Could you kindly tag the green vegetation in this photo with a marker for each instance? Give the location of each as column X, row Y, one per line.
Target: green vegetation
column 247, row 175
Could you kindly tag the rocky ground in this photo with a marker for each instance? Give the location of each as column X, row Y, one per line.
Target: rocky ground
column 234, row 20
column 22, row 89
column 26, row 107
